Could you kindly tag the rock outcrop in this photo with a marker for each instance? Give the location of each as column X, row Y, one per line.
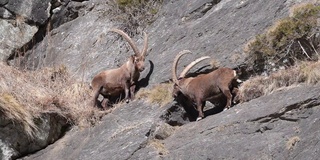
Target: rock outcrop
column 19, row 23
column 25, row 23
column 14, row 142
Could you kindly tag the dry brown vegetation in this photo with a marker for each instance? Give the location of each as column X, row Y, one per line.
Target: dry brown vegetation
column 24, row 95
column 304, row 72
column 292, row 142
column 160, row 94
column 214, row 64
column 159, row 146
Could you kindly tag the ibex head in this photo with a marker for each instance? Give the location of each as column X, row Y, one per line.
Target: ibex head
column 175, row 79
column 138, row 57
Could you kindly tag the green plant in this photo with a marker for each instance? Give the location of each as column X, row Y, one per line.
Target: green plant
column 288, row 40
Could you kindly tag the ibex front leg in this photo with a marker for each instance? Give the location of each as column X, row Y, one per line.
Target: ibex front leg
column 132, row 91
column 200, row 106
column 126, row 91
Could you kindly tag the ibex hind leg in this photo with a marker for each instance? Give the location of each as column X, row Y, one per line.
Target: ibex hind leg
column 95, row 101
column 235, row 95
column 227, row 93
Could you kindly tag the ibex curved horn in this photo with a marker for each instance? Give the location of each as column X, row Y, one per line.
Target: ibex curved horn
column 129, row 40
column 174, row 66
column 186, row 70
column 145, row 45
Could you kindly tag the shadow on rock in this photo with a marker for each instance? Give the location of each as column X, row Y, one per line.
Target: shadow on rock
column 144, row 82
column 190, row 113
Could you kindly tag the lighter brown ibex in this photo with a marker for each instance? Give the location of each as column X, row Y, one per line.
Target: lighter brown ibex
column 203, row 87
column 113, row 82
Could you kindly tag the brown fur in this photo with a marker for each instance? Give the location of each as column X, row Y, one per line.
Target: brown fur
column 113, row 82
column 206, row 87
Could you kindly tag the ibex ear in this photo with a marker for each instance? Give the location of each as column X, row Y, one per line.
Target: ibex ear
column 142, row 58
column 132, row 59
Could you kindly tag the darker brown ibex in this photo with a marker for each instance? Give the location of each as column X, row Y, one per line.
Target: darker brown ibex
column 113, row 82
column 203, row 87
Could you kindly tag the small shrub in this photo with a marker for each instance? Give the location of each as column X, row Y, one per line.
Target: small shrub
column 286, row 41
column 131, row 14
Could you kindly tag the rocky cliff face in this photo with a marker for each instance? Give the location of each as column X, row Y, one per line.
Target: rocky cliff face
column 197, row 26
column 283, row 125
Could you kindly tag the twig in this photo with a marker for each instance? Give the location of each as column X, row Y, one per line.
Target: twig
column 287, row 52
column 304, row 51
column 314, row 48
column 309, row 38
column 289, row 48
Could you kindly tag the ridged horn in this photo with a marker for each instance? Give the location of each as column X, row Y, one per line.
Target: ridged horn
column 174, row 66
column 145, row 45
column 129, row 40
column 186, row 70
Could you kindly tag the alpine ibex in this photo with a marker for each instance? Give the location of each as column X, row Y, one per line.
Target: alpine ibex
column 112, row 83
column 203, row 87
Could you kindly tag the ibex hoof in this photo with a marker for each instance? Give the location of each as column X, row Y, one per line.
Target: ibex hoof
column 239, row 81
column 225, row 109
column 127, row 101
column 199, row 118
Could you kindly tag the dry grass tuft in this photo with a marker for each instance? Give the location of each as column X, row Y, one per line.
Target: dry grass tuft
column 15, row 111
column 19, row 20
column 305, row 72
column 25, row 95
column 214, row 64
column 292, row 142
column 160, row 94
column 159, row 146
